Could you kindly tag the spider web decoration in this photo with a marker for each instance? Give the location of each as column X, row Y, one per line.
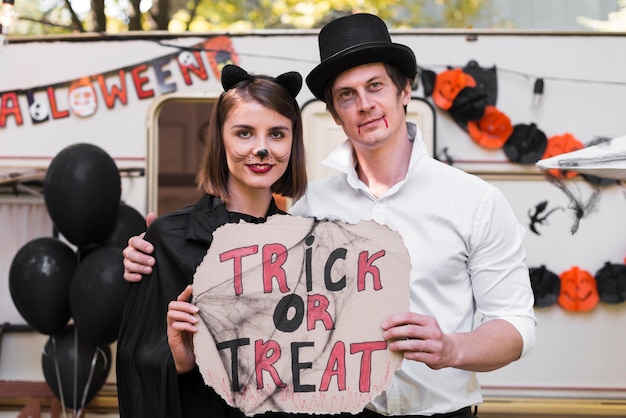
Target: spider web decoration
column 579, row 207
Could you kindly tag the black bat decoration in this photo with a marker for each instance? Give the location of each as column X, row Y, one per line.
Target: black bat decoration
column 536, row 218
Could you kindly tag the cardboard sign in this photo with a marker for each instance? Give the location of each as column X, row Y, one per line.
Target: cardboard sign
column 291, row 313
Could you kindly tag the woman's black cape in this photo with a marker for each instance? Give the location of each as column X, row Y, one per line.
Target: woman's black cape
column 147, row 382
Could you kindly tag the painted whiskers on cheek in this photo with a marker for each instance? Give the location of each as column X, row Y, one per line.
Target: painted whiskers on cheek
column 236, row 157
column 270, row 159
column 283, row 158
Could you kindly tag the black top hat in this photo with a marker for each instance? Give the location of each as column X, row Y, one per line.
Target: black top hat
column 355, row 40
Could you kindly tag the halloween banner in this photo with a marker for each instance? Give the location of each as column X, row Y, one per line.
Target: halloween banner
column 291, row 311
column 79, row 98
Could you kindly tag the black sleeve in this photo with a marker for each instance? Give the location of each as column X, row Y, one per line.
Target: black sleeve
column 146, row 375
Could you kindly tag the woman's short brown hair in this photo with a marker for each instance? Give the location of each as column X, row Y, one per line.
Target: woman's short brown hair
column 213, row 175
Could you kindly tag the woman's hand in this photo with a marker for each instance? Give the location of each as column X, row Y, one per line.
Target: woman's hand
column 181, row 320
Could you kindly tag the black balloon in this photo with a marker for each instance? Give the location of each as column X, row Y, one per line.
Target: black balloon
column 39, row 281
column 74, row 369
column 97, row 295
column 82, row 190
column 128, row 224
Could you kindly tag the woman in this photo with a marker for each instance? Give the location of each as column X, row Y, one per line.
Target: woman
column 254, row 149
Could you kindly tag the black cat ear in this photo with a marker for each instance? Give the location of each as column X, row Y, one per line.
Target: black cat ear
column 232, row 74
column 292, row 81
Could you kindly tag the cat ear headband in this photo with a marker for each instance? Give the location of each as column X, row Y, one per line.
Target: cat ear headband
column 232, row 74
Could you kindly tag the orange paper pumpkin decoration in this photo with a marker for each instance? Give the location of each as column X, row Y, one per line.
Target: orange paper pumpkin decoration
column 448, row 84
column 579, row 291
column 492, row 130
column 560, row 144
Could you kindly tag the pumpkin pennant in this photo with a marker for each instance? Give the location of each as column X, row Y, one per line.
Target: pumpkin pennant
column 428, row 78
column 579, row 292
column 492, row 130
column 611, row 282
column 471, row 102
column 449, row 84
column 526, row 144
column 546, row 286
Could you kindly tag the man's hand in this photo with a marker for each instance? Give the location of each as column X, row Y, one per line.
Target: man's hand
column 420, row 338
column 137, row 260
column 491, row 345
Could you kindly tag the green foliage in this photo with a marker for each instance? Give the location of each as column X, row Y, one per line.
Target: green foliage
column 38, row 17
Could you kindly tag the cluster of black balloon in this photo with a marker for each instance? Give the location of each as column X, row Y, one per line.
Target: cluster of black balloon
column 52, row 284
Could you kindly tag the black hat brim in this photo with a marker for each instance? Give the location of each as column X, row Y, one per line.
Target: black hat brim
column 400, row 55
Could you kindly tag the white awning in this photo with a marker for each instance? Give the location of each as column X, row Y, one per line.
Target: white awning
column 606, row 159
column 21, row 182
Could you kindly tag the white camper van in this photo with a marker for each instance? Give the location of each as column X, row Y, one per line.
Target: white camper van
column 145, row 99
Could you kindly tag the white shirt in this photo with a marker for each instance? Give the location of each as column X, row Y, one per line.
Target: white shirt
column 465, row 246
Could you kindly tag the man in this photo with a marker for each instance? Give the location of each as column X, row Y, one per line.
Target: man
column 464, row 241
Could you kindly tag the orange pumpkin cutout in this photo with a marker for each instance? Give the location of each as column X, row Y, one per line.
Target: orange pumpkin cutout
column 448, row 84
column 560, row 144
column 492, row 130
column 579, row 291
